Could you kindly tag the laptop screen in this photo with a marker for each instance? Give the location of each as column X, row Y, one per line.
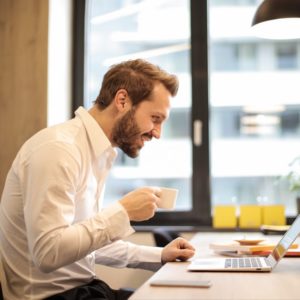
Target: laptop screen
column 286, row 241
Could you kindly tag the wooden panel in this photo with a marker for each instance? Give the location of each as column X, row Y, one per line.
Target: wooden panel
column 23, row 76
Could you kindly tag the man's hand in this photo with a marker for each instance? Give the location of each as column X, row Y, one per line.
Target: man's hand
column 177, row 249
column 141, row 204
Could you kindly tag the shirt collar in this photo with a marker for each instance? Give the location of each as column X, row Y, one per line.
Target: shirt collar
column 98, row 140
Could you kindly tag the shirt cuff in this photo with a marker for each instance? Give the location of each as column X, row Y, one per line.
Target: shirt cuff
column 146, row 257
column 117, row 220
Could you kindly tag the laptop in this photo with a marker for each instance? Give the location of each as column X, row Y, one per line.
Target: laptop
column 250, row 263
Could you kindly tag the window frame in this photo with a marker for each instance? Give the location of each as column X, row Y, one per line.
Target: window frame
column 200, row 214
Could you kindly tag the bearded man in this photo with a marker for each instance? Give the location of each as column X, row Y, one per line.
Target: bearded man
column 53, row 229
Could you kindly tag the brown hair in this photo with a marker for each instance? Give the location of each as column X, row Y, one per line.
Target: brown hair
column 137, row 77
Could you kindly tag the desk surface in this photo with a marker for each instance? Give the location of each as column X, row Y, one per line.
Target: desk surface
column 281, row 283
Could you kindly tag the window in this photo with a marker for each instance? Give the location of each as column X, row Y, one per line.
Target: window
column 233, row 56
column 286, row 56
column 241, row 91
column 254, row 110
column 127, row 29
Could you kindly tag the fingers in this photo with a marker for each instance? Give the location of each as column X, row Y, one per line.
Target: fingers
column 185, row 254
column 156, row 192
column 171, row 254
column 186, row 250
column 140, row 204
column 154, row 199
column 184, row 244
column 152, row 189
column 178, row 249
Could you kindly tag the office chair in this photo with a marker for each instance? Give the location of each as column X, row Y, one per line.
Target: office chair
column 162, row 236
column 1, row 295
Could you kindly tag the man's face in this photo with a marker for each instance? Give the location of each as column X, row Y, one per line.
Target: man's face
column 139, row 124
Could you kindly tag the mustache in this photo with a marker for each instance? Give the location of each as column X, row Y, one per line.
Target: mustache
column 148, row 136
column 135, row 134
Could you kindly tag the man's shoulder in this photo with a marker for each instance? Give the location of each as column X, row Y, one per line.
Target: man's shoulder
column 69, row 135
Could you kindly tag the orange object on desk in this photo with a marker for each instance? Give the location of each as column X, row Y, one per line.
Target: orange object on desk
column 290, row 253
column 246, row 249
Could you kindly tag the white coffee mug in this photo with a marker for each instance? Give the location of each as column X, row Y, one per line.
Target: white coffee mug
column 168, row 198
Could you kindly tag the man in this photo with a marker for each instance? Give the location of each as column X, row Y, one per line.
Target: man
column 52, row 227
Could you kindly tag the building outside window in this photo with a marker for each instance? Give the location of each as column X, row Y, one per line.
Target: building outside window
column 254, row 109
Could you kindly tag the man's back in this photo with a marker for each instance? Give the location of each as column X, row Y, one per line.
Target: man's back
column 18, row 267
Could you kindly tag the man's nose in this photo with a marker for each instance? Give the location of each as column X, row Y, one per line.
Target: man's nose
column 156, row 131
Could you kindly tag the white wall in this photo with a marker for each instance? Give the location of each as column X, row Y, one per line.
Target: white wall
column 59, row 61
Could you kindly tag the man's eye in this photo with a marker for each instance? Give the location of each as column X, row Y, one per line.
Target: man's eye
column 155, row 119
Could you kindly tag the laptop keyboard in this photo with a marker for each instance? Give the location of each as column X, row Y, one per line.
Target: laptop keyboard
column 243, row 262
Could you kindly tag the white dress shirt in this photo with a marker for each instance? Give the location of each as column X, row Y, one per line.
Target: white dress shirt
column 52, row 227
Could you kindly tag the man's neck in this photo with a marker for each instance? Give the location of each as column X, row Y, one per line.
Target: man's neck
column 105, row 119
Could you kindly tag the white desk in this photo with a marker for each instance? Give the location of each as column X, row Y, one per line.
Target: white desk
column 283, row 283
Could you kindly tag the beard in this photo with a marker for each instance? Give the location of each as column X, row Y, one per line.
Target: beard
column 126, row 133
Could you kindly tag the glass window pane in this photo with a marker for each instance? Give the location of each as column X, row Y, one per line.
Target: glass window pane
column 126, row 29
column 254, row 109
column 286, row 54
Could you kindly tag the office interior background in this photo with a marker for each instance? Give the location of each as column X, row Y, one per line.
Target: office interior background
column 234, row 125
column 240, row 89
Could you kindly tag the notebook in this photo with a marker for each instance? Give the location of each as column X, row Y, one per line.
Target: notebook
column 253, row 263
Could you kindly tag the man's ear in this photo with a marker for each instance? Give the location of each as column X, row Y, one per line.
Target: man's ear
column 122, row 100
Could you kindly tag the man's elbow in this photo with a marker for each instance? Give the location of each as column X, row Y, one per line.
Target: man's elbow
column 46, row 262
column 46, row 265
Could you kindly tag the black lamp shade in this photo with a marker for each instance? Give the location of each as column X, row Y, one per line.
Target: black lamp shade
column 277, row 19
column 276, row 9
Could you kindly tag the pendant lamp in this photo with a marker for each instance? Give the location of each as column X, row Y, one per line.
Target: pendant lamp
column 277, row 19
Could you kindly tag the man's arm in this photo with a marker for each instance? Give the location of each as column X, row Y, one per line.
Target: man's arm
column 50, row 180
column 122, row 254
